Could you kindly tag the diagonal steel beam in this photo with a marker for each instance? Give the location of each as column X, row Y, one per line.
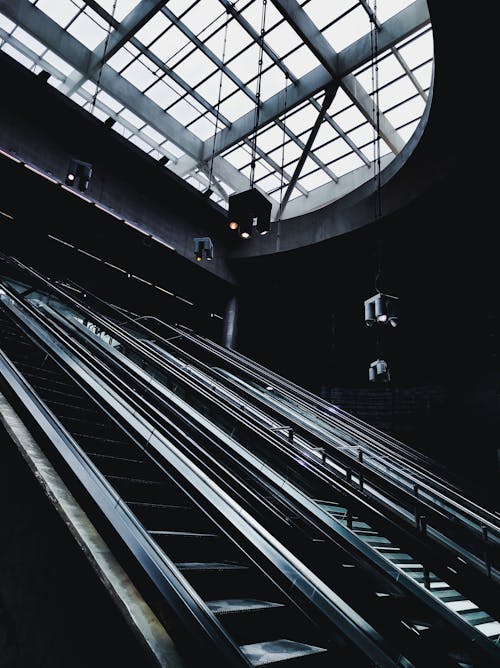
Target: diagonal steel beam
column 374, row 19
column 77, row 55
column 392, row 31
column 136, row 18
column 208, row 53
column 329, row 58
column 327, row 101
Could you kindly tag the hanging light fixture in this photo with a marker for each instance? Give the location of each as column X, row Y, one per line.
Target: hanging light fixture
column 79, row 174
column 251, row 208
column 381, row 309
column 203, row 247
column 378, row 372
column 247, row 210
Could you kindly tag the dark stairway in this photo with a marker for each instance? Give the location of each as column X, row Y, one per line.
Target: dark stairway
column 254, row 611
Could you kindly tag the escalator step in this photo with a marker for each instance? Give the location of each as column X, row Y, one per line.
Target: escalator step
column 461, row 605
column 239, row 605
column 111, row 441
column 274, row 651
column 447, row 594
column 477, row 617
column 171, row 516
column 210, row 566
column 490, row 629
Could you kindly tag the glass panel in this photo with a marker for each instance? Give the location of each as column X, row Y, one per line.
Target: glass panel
column 388, row 70
column 388, row 8
column 406, row 132
column 140, row 143
column 272, row 81
column 108, row 100
column 153, row 28
column 423, row 75
column 349, row 119
column 170, row 46
column 139, row 75
column 183, row 112
column 87, row 31
column 132, row 118
column 29, row 41
column 253, row 15
column 123, row 57
column 123, row 7
column 203, row 127
column 347, row 164
column 164, row 94
column 303, row 120
column 322, row 13
column 292, row 153
column 407, row 111
column 418, row 51
column 282, row 39
column 194, row 68
column 210, row 88
column 237, row 39
column 17, row 55
column 237, row 105
column 331, row 151
column 314, row 180
column 57, row 62
column 202, row 15
column 348, row 29
column 61, row 11
column 239, row 157
column 153, row 134
column 396, row 93
column 6, row 24
column 270, row 183
column 301, row 61
column 325, row 134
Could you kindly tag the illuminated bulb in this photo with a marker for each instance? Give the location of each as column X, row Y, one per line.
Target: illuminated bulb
column 382, row 318
column 233, row 225
column 245, row 235
column 71, row 177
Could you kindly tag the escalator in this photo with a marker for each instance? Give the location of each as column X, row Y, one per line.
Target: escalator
column 254, row 619
column 366, row 531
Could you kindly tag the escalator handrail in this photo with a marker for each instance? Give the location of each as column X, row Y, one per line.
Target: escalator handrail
column 325, row 600
column 342, row 456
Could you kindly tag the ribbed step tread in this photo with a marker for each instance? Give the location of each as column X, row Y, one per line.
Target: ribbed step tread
column 274, row 651
column 184, row 534
column 490, row 629
column 462, row 605
column 210, row 566
column 240, row 605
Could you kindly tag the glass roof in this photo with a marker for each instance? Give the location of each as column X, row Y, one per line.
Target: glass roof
column 214, row 85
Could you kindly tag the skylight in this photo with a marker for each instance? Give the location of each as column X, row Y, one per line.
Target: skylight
column 181, row 73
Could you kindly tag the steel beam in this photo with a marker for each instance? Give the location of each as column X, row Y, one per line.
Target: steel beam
column 328, row 99
column 349, row 59
column 124, row 30
column 329, row 58
column 67, row 47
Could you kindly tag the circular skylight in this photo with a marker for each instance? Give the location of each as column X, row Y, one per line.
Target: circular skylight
column 340, row 83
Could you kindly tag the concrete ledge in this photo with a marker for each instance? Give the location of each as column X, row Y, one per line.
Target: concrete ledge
column 137, row 614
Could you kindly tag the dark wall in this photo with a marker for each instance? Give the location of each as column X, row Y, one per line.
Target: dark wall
column 54, row 611
column 45, row 128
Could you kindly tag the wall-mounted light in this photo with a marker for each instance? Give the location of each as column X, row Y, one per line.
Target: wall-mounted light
column 381, row 309
column 203, row 247
column 378, row 372
column 247, row 210
column 79, row 174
